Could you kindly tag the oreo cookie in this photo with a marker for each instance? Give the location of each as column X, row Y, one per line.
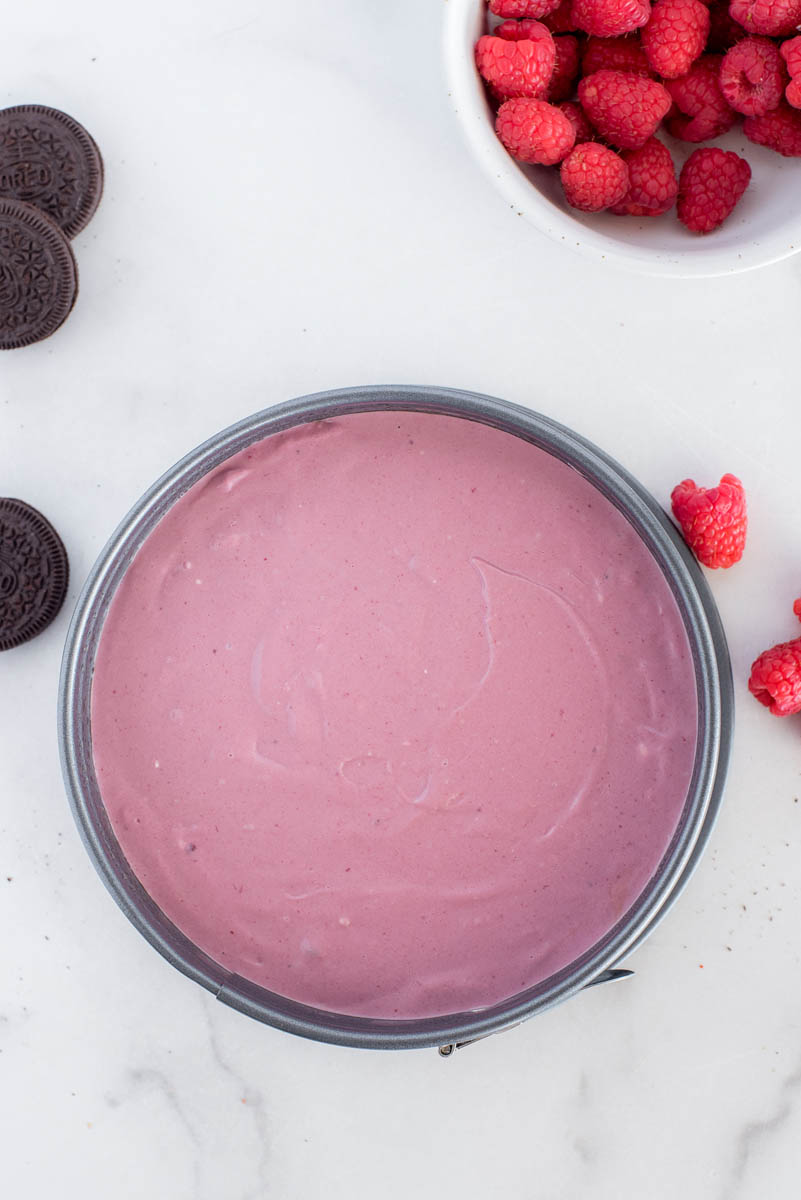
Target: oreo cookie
column 38, row 276
column 47, row 159
column 34, row 573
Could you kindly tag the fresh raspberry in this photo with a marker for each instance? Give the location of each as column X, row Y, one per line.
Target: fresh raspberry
column 675, row 36
column 517, row 68
column 561, row 19
column 753, row 76
column 791, row 53
column 626, row 109
column 522, row 8
column 566, row 55
column 773, row 18
column 703, row 111
column 776, row 678
column 713, row 520
column 779, row 130
column 566, row 68
column 652, row 181
column 614, row 54
column 610, row 18
column 534, row 132
column 710, row 185
column 594, row 177
column 577, row 117
column 797, row 608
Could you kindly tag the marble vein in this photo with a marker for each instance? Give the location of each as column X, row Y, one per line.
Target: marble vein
column 151, row 1078
column 251, row 1097
column 756, row 1135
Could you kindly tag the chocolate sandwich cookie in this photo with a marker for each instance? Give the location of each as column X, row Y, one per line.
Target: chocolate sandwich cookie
column 34, row 573
column 47, row 159
column 38, row 276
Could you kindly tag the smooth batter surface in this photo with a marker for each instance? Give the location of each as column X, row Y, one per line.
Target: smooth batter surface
column 394, row 714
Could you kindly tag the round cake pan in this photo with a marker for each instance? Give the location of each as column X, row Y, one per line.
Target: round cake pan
column 715, row 714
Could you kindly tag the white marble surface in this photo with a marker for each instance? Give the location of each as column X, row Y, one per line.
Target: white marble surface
column 289, row 207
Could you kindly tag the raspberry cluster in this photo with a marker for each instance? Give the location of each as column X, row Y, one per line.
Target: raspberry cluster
column 588, row 83
column 714, row 523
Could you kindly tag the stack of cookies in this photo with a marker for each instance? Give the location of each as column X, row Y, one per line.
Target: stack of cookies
column 51, row 180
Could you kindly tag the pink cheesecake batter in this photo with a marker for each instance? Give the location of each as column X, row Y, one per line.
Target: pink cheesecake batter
column 394, row 714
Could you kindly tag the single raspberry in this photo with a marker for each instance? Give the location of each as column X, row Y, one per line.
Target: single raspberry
column 561, row 19
column 791, row 53
column 797, row 608
column 577, row 117
column 534, row 132
column 779, row 130
column 652, row 180
column 522, row 8
column 713, row 520
column 776, row 678
column 610, row 18
column 724, row 32
column 517, row 68
column 593, row 177
column 703, row 111
column 614, row 54
column 753, row 76
column 626, row 109
column 566, row 55
column 773, row 18
column 675, row 36
column 566, row 68
column 710, row 185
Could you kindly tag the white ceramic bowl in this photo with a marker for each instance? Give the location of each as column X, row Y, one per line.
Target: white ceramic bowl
column 765, row 226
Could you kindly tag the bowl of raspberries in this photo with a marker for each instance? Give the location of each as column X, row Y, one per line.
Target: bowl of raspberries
column 664, row 135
